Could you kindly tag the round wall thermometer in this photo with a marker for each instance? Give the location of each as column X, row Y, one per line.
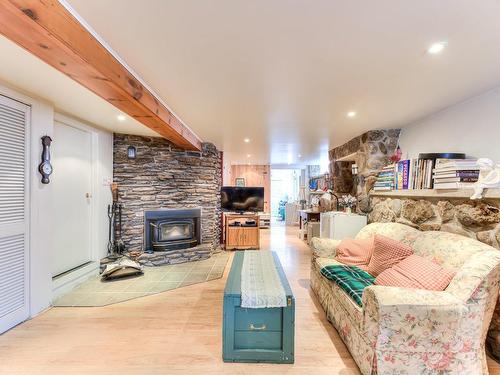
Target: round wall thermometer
column 45, row 168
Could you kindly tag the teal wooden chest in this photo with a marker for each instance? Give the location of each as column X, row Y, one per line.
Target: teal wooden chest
column 256, row 335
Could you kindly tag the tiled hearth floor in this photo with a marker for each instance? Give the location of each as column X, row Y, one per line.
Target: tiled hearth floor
column 95, row 292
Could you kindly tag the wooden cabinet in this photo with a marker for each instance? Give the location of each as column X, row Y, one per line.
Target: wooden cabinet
column 242, row 236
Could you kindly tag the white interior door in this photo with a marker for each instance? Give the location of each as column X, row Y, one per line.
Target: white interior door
column 14, row 240
column 72, row 181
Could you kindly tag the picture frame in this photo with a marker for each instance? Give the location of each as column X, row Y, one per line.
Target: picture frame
column 239, row 182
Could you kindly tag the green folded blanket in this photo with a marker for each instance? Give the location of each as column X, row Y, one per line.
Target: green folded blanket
column 351, row 279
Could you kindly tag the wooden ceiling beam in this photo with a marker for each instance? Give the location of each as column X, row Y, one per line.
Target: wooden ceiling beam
column 49, row 31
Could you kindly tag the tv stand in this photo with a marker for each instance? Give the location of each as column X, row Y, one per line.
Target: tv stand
column 241, row 237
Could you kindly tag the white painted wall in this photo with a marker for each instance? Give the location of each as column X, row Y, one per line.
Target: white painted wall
column 472, row 126
column 41, row 210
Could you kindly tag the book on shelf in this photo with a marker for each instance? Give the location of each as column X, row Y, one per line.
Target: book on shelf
column 439, row 173
column 454, row 185
column 454, row 179
column 457, row 163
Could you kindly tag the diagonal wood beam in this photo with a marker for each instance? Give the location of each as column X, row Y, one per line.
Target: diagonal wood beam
column 49, row 31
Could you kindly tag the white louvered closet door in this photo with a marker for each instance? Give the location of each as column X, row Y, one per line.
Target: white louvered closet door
column 14, row 118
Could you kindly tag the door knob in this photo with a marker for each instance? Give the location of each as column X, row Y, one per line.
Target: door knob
column 88, row 195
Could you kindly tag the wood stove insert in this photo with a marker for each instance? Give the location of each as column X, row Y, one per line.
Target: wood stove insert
column 172, row 229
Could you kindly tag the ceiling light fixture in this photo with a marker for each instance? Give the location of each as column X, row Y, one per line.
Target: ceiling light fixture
column 248, row 155
column 300, row 155
column 121, row 118
column 436, row 48
column 351, row 114
column 246, row 140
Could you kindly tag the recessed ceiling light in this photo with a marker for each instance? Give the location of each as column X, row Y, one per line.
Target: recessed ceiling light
column 436, row 48
column 300, row 155
column 246, row 140
column 121, row 117
column 351, row 114
column 248, row 155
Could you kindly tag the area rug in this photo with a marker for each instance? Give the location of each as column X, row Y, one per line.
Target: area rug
column 95, row 292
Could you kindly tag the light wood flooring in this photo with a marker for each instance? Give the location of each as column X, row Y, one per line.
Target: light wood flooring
column 176, row 332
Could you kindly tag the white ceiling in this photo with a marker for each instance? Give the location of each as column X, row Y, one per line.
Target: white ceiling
column 284, row 73
column 22, row 70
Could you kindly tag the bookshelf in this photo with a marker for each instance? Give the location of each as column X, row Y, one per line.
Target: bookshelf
column 433, row 193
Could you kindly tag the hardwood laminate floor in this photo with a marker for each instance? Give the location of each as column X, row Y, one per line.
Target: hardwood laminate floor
column 176, row 332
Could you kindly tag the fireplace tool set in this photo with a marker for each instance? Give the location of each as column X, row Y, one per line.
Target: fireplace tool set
column 116, row 265
column 116, row 246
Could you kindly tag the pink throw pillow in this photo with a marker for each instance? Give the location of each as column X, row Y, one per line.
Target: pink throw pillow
column 355, row 252
column 386, row 253
column 416, row 272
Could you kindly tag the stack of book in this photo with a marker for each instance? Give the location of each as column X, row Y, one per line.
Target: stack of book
column 385, row 179
column 455, row 174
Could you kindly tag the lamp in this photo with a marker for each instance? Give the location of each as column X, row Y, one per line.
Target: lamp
column 131, row 152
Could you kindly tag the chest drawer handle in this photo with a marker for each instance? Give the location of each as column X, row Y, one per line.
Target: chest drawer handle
column 254, row 328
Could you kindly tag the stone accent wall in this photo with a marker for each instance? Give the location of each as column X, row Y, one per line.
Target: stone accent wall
column 479, row 220
column 372, row 151
column 163, row 176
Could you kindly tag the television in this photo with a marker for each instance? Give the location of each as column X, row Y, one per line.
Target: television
column 241, row 199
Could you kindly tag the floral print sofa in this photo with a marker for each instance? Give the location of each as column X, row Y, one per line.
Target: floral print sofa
column 412, row 331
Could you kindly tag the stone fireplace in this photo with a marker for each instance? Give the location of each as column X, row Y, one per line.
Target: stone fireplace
column 170, row 198
column 171, row 229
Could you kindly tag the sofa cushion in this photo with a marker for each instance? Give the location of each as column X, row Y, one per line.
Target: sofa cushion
column 386, row 253
column 355, row 252
column 416, row 272
column 353, row 280
column 448, row 249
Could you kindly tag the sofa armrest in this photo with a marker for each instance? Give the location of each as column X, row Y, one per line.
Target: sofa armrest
column 324, row 247
column 415, row 320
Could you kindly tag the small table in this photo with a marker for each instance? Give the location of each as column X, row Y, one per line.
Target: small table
column 307, row 215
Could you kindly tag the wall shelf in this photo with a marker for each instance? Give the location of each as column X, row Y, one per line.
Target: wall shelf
column 433, row 193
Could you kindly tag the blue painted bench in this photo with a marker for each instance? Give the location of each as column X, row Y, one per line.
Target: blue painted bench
column 256, row 335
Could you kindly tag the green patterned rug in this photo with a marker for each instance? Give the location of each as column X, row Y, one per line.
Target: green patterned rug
column 94, row 292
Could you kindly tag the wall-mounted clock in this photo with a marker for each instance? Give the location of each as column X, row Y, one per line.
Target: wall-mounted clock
column 45, row 168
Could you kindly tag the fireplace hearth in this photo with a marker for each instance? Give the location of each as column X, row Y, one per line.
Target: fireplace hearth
column 171, row 229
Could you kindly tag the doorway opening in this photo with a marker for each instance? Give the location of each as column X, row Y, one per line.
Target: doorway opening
column 285, row 188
